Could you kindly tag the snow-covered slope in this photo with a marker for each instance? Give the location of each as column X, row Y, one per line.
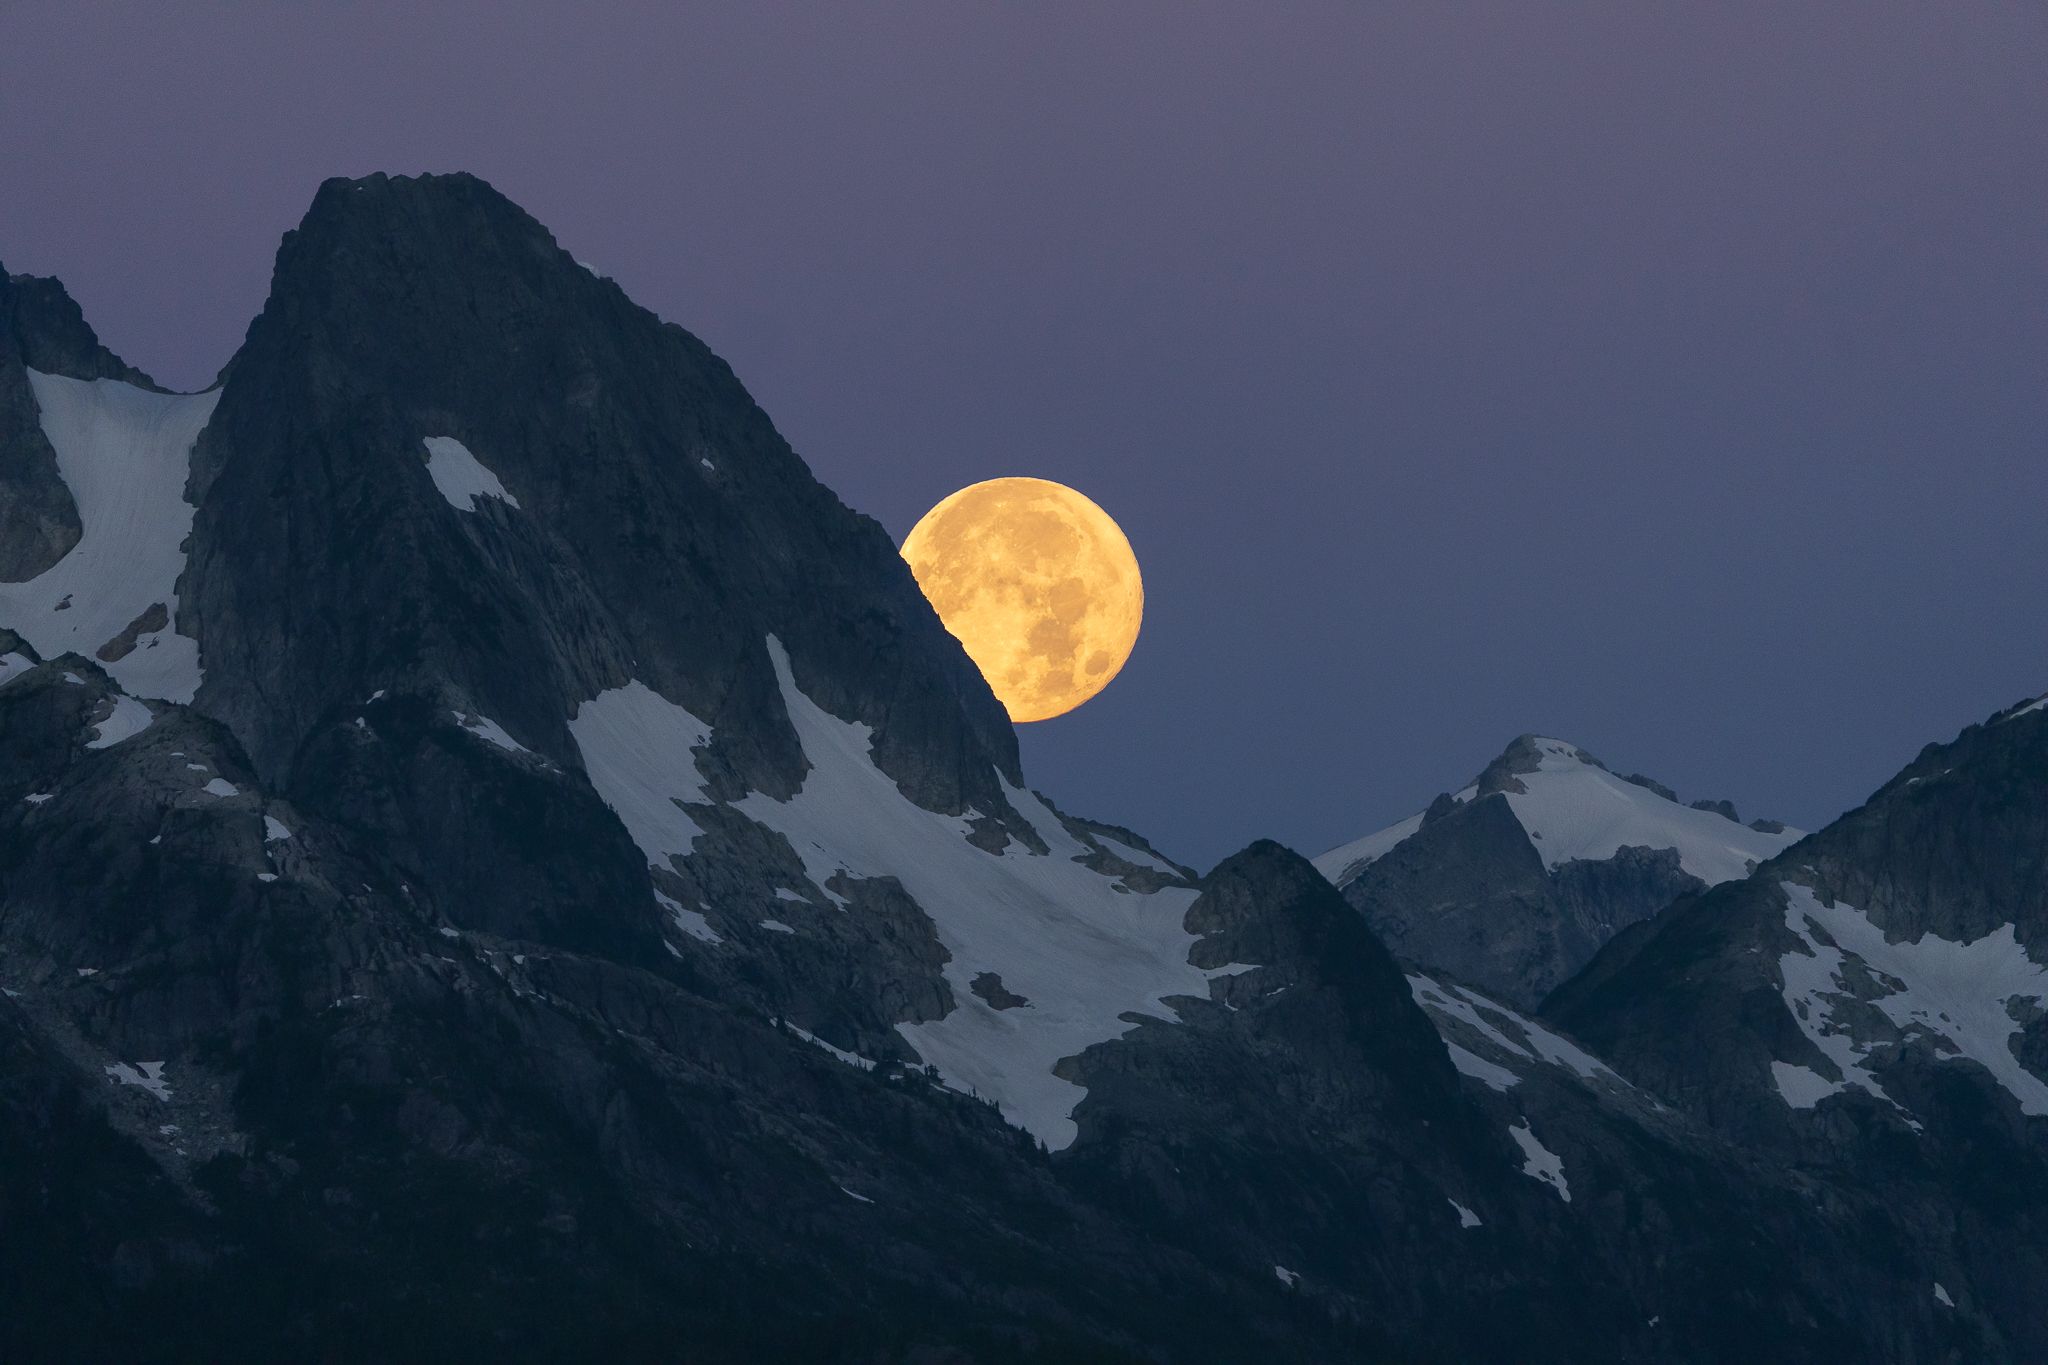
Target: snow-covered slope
column 1859, row 997
column 1080, row 948
column 124, row 452
column 1573, row 808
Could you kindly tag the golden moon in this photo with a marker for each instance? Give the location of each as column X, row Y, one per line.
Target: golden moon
column 1037, row 583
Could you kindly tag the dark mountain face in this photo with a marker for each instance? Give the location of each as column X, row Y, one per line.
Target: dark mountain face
column 656, row 527
column 528, row 875
column 1515, row 882
column 1870, row 1006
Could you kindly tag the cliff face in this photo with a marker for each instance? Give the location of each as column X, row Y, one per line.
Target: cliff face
column 1513, row 883
column 652, row 525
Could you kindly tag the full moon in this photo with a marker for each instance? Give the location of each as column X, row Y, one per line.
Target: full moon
column 1037, row 583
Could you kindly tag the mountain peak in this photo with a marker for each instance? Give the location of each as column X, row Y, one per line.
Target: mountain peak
column 1531, row 753
column 1514, row 881
column 43, row 328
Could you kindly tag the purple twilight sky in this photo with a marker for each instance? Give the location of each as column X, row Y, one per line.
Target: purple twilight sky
column 1669, row 378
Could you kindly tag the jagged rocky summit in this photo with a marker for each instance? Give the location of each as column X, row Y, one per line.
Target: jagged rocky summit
column 496, row 860
column 1513, row 882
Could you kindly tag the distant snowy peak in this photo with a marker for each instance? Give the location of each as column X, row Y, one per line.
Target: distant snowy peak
column 1573, row 808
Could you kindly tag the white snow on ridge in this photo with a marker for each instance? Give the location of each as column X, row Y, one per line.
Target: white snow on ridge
column 13, row 666
column 1960, row 995
column 1441, row 1000
column 2025, row 709
column 128, row 719
column 1346, row 861
column 852, row 1059
column 1136, row 857
column 125, row 454
column 1575, row 809
column 1083, row 952
column 461, row 477
column 484, row 728
column 639, row 750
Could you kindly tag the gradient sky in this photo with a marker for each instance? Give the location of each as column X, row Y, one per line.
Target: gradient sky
column 1669, row 378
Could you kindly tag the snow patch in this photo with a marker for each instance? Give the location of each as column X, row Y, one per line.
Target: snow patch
column 776, row 926
column 1539, row 1162
column 1443, row 999
column 1959, row 995
column 483, row 727
column 1084, row 952
column 2039, row 703
column 274, row 830
column 1941, row 1296
column 852, row 1059
column 36, row 798
column 639, row 751
column 690, row 921
column 1802, row 1087
column 125, row 453
column 142, row 1075
column 1466, row 1218
column 1285, row 1276
column 13, row 666
column 128, row 719
column 1479, row 1069
column 461, row 477
column 861, row 1198
column 220, row 786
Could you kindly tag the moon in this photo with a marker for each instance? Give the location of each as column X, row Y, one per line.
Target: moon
column 1039, row 585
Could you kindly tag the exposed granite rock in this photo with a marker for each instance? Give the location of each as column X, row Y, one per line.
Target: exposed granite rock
column 663, row 531
column 1468, row 895
column 1651, row 784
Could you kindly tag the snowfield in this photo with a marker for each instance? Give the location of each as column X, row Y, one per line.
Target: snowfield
column 1959, row 996
column 640, row 752
column 461, row 477
column 1081, row 949
column 1083, row 952
column 125, row 453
